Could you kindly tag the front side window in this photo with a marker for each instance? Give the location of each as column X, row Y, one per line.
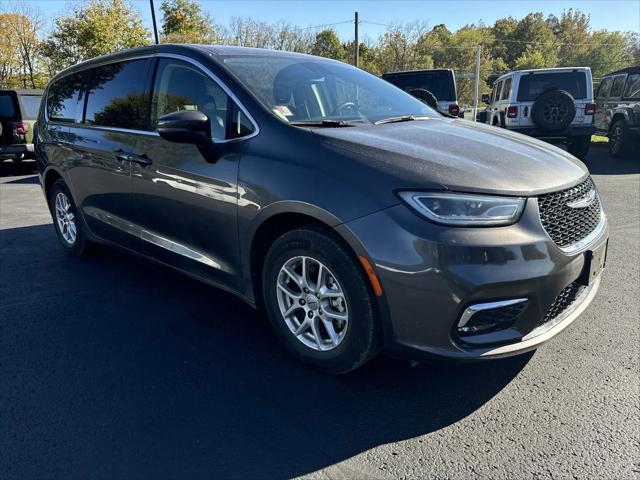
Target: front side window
column 535, row 84
column 616, row 87
column 117, row 96
column 632, row 89
column 181, row 86
column 65, row 98
column 603, row 90
column 506, row 89
column 302, row 89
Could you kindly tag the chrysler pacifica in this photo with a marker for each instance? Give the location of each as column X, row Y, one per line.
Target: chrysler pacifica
column 356, row 216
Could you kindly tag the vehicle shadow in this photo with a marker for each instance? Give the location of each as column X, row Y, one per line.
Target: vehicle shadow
column 10, row 169
column 112, row 364
column 599, row 162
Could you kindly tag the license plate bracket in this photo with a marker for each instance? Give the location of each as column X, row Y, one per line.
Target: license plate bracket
column 594, row 263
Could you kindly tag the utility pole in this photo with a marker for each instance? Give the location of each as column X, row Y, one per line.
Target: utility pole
column 357, row 42
column 476, row 84
column 153, row 19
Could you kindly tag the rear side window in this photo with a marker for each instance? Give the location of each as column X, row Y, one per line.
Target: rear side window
column 441, row 84
column 616, row 87
column 7, row 110
column 506, row 89
column 30, row 105
column 117, row 96
column 181, row 86
column 535, row 84
column 603, row 90
column 65, row 98
column 632, row 90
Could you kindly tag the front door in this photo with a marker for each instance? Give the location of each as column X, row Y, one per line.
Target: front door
column 186, row 201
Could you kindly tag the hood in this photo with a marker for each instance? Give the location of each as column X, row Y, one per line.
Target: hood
column 457, row 155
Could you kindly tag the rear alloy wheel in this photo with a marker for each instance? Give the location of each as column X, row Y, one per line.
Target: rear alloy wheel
column 66, row 220
column 319, row 301
column 619, row 140
column 579, row 146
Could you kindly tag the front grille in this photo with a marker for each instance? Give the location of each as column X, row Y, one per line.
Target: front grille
column 563, row 301
column 566, row 225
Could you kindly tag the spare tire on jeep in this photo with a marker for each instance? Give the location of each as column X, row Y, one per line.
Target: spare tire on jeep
column 425, row 96
column 553, row 111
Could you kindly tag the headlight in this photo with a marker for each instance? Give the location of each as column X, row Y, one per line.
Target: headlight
column 465, row 209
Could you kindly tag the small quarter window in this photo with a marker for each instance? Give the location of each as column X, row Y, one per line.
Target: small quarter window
column 65, row 98
column 603, row 90
column 506, row 89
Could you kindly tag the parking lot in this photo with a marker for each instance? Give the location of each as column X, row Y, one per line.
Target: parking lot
column 111, row 366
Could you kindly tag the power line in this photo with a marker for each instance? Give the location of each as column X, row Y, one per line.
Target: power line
column 324, row 25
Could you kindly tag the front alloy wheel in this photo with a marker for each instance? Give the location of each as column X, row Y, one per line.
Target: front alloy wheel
column 312, row 303
column 319, row 301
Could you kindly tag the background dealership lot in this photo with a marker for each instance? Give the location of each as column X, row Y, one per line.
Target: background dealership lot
column 112, row 366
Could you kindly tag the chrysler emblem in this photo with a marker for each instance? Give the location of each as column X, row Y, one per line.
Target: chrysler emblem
column 584, row 201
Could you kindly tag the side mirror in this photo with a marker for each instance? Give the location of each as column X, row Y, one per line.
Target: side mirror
column 186, row 126
column 485, row 98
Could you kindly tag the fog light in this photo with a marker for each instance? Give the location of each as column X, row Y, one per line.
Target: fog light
column 490, row 317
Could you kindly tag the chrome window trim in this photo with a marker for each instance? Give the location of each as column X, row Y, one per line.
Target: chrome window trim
column 478, row 307
column 175, row 56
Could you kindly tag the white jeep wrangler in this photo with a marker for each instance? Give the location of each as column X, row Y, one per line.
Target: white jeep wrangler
column 554, row 104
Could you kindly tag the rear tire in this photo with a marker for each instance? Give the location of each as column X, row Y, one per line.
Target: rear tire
column 620, row 141
column 553, row 111
column 304, row 308
column 579, row 146
column 66, row 220
column 425, row 96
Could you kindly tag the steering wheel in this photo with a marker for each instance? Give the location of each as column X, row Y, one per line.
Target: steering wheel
column 343, row 106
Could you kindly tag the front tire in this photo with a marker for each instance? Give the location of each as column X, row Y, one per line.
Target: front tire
column 320, row 302
column 579, row 146
column 620, row 140
column 66, row 219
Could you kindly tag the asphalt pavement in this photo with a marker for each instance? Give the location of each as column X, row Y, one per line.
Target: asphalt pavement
column 111, row 366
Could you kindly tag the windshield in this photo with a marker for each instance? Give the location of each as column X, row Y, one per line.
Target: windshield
column 30, row 105
column 535, row 84
column 437, row 82
column 307, row 89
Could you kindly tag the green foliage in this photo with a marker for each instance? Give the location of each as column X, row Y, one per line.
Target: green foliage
column 93, row 28
column 183, row 21
column 327, row 44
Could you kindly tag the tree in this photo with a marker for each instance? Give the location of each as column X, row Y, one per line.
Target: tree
column 93, row 28
column 183, row 21
column 327, row 44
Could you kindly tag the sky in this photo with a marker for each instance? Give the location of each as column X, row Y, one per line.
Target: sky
column 605, row 14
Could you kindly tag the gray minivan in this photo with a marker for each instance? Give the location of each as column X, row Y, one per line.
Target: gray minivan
column 359, row 218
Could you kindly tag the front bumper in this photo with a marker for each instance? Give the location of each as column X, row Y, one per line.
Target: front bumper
column 430, row 274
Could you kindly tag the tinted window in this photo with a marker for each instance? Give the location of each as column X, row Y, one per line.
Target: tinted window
column 616, row 87
column 299, row 88
column 65, row 98
column 6, row 106
column 181, row 86
column 535, row 84
column 117, row 96
column 30, row 105
column 603, row 90
column 506, row 89
column 632, row 90
column 439, row 83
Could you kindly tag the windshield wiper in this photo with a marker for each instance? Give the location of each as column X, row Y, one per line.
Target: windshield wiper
column 322, row 123
column 402, row 118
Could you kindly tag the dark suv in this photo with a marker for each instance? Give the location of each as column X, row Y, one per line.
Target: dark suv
column 618, row 111
column 355, row 215
column 436, row 87
column 18, row 111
